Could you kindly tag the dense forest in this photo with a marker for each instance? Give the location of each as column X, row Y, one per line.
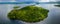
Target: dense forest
column 29, row 14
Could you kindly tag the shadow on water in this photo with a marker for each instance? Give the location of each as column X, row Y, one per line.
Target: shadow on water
column 16, row 22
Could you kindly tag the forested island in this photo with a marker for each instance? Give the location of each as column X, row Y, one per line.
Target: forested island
column 29, row 14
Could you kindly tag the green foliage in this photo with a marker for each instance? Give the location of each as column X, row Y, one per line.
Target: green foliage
column 30, row 14
column 15, row 7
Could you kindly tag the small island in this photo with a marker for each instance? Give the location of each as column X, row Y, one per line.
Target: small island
column 57, row 5
column 29, row 14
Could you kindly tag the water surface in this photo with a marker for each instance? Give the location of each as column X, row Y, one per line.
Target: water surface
column 53, row 15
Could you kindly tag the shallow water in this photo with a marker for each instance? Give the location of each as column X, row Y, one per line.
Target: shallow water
column 53, row 15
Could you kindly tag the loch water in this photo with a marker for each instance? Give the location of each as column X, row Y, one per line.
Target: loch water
column 53, row 15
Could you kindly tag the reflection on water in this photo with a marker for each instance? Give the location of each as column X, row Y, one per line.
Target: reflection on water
column 16, row 22
column 53, row 15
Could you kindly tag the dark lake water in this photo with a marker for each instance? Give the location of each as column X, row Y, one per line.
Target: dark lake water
column 53, row 15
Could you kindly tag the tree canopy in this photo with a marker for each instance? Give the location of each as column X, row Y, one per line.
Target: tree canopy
column 29, row 14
